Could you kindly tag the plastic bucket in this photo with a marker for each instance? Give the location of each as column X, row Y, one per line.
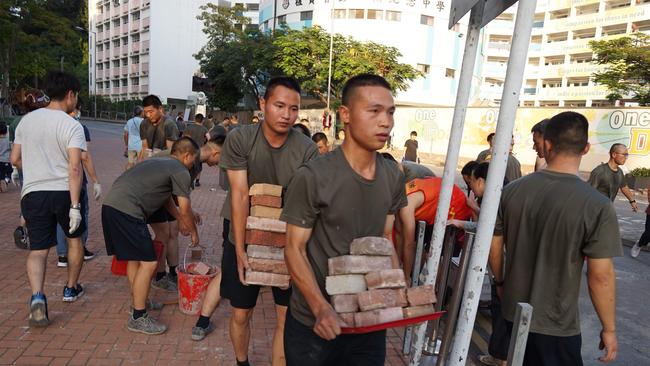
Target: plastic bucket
column 192, row 287
column 118, row 267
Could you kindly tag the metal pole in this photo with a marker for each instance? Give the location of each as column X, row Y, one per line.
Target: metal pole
column 95, row 72
column 453, row 149
column 329, row 71
column 487, row 218
column 415, row 279
column 517, row 348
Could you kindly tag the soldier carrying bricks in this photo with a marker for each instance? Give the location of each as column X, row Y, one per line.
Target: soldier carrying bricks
column 268, row 152
column 346, row 194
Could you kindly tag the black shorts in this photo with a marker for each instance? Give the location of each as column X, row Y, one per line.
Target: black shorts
column 127, row 237
column 547, row 350
column 161, row 215
column 304, row 347
column 42, row 211
column 241, row 296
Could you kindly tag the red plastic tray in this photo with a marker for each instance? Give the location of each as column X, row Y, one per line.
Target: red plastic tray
column 398, row 323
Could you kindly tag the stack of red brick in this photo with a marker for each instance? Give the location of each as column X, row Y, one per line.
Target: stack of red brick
column 365, row 290
column 266, row 237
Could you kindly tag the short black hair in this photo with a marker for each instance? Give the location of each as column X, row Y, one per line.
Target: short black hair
column 467, row 168
column 286, row 81
column 318, row 137
column 359, row 81
column 3, row 128
column 388, row 156
column 151, row 101
column 184, row 145
column 568, row 132
column 480, row 170
column 226, row 118
column 539, row 127
column 414, row 133
column 198, row 117
column 304, row 129
column 615, row 147
column 217, row 139
column 490, row 137
column 59, row 83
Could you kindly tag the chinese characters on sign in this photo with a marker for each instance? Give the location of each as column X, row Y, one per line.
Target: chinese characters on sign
column 440, row 5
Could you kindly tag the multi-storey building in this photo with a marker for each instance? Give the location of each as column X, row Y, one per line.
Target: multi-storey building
column 559, row 68
column 417, row 28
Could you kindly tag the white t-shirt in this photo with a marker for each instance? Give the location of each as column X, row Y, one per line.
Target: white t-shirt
column 45, row 135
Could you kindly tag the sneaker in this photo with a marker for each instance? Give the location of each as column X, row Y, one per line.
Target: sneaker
column 3, row 186
column 165, row 284
column 488, row 360
column 636, row 249
column 197, row 184
column 198, row 333
column 88, row 255
column 38, row 316
column 150, row 305
column 72, row 294
column 63, row 262
column 145, row 325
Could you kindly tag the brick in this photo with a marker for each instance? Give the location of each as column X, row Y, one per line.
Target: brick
column 387, row 278
column 348, row 319
column 357, row 264
column 264, row 252
column 200, row 268
column 345, row 284
column 379, row 316
column 421, row 295
column 420, row 310
column 264, row 189
column 267, row 279
column 266, row 200
column 258, row 237
column 268, row 265
column 345, row 303
column 371, row 245
column 267, row 212
column 264, row 224
column 383, row 298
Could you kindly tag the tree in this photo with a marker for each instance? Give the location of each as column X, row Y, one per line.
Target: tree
column 627, row 67
column 304, row 54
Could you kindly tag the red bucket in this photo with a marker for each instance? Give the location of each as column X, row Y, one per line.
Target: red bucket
column 118, row 267
column 192, row 287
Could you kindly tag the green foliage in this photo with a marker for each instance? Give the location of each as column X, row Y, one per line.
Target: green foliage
column 627, row 67
column 240, row 62
column 640, row 172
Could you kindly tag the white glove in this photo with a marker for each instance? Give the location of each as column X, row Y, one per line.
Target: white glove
column 75, row 219
column 15, row 177
column 97, row 191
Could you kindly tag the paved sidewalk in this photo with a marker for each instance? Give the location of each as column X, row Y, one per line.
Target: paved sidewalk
column 93, row 330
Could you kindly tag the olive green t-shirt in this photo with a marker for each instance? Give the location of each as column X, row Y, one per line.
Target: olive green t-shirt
column 607, row 181
column 157, row 136
column 415, row 171
column 196, row 168
column 550, row 221
column 145, row 188
column 196, row 132
column 329, row 197
column 513, row 168
column 246, row 148
column 484, row 155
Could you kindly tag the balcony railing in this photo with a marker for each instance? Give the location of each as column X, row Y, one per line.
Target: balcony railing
column 135, row 4
column 144, row 68
column 100, row 55
column 125, row 70
column 135, row 26
column 115, row 90
column 116, row 71
column 145, row 22
column 124, row 8
column 499, row 46
column 135, row 68
column 125, row 28
column 530, row 91
column 144, row 88
column 100, row 74
column 135, row 88
column 145, row 46
column 135, row 47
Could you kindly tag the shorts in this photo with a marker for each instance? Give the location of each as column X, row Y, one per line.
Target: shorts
column 240, row 296
column 42, row 211
column 127, row 237
column 5, row 170
column 132, row 155
column 547, row 350
column 304, row 347
column 161, row 215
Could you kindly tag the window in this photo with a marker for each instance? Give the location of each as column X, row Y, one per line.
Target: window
column 450, row 73
column 136, row 15
column 116, row 63
column 135, row 38
column 135, row 81
column 125, row 19
column 282, row 19
column 253, row 7
column 135, row 60
column 426, row 20
column 375, row 14
column 125, row 41
column 116, row 43
column 116, row 83
column 306, row 15
column 340, row 13
column 125, row 61
column 394, row 16
column 125, row 82
column 423, row 68
column 356, row 14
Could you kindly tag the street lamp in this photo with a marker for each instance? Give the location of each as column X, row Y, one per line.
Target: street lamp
column 94, row 44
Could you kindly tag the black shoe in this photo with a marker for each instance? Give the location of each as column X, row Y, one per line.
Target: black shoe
column 88, row 255
column 197, row 184
column 63, row 262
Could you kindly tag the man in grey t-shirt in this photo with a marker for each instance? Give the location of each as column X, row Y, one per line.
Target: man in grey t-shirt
column 608, row 178
column 548, row 222
column 158, row 131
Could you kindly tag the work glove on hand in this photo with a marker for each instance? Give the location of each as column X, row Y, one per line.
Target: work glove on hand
column 15, row 177
column 97, row 191
column 75, row 219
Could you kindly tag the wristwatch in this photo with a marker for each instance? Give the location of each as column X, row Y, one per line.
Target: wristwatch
column 76, row 206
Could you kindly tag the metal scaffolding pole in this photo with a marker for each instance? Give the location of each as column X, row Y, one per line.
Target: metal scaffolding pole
column 453, row 149
column 496, row 172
